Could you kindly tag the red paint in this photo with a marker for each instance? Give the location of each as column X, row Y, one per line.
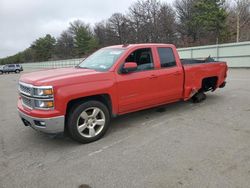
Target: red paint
column 128, row 92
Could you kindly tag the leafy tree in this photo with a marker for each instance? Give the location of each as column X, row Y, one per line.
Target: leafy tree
column 44, row 48
column 210, row 15
column 83, row 38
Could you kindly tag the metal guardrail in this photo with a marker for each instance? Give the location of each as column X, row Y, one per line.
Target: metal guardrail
column 235, row 54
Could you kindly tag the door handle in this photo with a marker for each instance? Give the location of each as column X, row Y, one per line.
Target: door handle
column 177, row 73
column 153, row 76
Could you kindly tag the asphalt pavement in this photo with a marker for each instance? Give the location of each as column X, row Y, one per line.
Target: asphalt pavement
column 180, row 145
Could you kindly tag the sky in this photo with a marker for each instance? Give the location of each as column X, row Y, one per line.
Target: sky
column 24, row 21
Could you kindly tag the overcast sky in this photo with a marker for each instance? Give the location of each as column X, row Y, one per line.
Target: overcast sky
column 23, row 21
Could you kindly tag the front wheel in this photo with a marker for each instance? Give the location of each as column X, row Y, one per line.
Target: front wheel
column 17, row 71
column 88, row 122
column 1, row 72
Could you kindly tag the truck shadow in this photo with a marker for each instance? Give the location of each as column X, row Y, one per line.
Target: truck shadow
column 168, row 110
column 125, row 124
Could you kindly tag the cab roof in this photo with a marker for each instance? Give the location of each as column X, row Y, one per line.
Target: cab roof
column 126, row 46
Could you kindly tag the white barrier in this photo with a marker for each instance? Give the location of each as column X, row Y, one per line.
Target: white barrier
column 235, row 54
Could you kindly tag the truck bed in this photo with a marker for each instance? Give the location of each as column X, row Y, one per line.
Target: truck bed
column 195, row 72
column 197, row 61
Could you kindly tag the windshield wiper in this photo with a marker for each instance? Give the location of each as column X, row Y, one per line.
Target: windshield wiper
column 77, row 66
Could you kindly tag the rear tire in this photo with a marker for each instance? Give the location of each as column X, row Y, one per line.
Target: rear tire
column 88, row 121
column 1, row 72
column 199, row 97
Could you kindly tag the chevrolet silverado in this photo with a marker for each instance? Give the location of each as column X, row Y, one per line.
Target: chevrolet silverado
column 112, row 81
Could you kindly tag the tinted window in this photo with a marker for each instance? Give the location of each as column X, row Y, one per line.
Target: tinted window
column 166, row 57
column 11, row 65
column 143, row 57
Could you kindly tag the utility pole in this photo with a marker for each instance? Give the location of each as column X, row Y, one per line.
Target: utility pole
column 238, row 26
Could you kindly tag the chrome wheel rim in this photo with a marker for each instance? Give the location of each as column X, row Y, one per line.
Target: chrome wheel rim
column 91, row 122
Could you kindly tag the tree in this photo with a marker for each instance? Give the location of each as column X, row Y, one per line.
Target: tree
column 202, row 20
column 167, row 24
column 211, row 15
column 185, row 10
column 65, row 46
column 116, row 25
column 143, row 16
column 241, row 15
column 83, row 37
column 44, row 48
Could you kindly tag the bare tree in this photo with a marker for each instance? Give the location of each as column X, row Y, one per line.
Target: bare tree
column 144, row 20
column 65, row 46
column 242, row 9
column 167, row 24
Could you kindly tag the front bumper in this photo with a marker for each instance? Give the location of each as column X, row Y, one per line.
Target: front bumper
column 47, row 125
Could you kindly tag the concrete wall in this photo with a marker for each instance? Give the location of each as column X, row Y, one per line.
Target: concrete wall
column 52, row 64
column 235, row 54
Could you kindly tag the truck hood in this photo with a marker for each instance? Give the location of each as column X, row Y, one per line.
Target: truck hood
column 59, row 76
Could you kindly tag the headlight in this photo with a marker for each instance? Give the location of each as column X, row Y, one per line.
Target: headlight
column 42, row 104
column 43, row 92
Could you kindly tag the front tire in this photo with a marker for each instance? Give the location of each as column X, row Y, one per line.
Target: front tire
column 17, row 71
column 88, row 121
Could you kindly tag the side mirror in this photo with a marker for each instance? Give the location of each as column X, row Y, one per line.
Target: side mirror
column 129, row 67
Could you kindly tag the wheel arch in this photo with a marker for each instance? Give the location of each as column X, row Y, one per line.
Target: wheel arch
column 209, row 83
column 103, row 98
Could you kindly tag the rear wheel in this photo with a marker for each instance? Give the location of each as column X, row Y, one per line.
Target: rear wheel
column 199, row 97
column 88, row 121
column 1, row 72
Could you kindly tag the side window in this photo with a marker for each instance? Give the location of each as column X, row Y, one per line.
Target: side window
column 143, row 57
column 10, row 66
column 166, row 57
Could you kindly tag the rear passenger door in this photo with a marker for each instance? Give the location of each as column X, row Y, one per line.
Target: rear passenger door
column 170, row 76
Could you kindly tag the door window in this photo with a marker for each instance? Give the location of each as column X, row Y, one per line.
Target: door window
column 143, row 57
column 166, row 57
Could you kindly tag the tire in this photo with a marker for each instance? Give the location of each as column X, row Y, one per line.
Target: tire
column 17, row 71
column 1, row 72
column 88, row 121
column 199, row 97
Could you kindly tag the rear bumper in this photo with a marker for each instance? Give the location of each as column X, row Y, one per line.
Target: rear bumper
column 222, row 85
column 47, row 125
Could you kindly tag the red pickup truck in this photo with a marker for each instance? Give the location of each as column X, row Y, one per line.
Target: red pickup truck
column 112, row 81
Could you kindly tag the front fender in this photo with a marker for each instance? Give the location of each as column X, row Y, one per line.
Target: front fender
column 67, row 93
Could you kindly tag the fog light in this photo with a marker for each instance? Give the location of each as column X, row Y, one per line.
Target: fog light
column 40, row 123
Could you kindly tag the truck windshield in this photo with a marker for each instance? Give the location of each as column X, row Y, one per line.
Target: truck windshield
column 102, row 59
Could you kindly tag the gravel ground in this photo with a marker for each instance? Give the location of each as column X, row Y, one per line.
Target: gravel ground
column 180, row 145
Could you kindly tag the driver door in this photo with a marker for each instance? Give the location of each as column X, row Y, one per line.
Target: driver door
column 137, row 90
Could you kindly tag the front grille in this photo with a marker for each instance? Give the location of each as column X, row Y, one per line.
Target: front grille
column 25, row 89
column 26, row 101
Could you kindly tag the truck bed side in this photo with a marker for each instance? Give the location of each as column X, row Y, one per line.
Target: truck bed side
column 196, row 76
